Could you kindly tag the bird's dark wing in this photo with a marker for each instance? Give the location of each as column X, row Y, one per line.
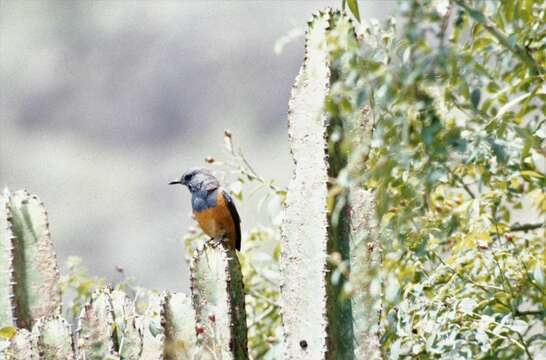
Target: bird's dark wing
column 236, row 219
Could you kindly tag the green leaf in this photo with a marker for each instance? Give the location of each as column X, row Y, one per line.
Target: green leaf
column 531, row 173
column 475, row 97
column 353, row 6
column 7, row 332
column 538, row 275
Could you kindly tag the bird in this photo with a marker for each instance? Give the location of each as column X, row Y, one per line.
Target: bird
column 212, row 206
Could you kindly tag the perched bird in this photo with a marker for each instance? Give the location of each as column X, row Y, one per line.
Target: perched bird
column 212, row 207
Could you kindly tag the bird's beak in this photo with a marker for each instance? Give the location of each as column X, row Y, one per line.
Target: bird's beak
column 175, row 182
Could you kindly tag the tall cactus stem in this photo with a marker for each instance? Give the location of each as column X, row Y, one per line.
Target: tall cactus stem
column 305, row 224
column 37, row 292
column 219, row 302
column 179, row 327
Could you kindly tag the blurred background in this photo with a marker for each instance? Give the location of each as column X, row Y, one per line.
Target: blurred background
column 103, row 103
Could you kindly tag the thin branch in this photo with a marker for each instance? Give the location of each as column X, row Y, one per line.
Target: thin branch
column 529, row 312
column 526, row 227
column 460, row 181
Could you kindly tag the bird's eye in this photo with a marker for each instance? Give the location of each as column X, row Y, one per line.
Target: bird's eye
column 187, row 177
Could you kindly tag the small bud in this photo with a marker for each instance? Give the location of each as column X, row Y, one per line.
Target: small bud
column 209, row 159
column 212, row 317
column 335, row 257
column 199, row 329
column 227, row 133
column 509, row 236
column 120, row 269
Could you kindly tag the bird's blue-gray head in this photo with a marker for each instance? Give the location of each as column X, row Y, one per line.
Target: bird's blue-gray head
column 198, row 180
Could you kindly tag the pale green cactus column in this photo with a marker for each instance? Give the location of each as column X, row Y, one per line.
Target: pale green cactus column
column 319, row 320
column 179, row 326
column 32, row 268
column 219, row 302
column 95, row 335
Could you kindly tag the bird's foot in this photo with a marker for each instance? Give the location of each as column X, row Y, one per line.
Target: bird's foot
column 214, row 242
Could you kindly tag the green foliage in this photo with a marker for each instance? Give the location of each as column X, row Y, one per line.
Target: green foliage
column 78, row 286
column 457, row 162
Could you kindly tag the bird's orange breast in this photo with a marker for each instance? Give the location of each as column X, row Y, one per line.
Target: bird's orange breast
column 217, row 221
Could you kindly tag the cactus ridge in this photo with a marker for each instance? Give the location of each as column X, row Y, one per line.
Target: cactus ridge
column 7, row 283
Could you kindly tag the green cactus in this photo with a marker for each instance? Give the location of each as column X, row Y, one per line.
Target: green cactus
column 21, row 347
column 364, row 256
column 305, row 231
column 218, row 299
column 33, row 266
column 52, row 338
column 151, row 325
column 128, row 336
column 96, row 328
column 320, row 322
column 179, row 328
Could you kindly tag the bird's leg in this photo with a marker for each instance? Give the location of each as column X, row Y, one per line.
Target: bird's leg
column 214, row 242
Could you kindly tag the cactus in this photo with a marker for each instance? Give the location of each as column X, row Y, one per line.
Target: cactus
column 153, row 332
column 52, row 338
column 21, row 347
column 218, row 299
column 96, row 328
column 304, row 230
column 179, row 328
column 364, row 256
column 128, row 335
column 319, row 322
column 32, row 269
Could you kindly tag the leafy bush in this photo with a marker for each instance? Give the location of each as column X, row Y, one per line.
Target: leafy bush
column 457, row 162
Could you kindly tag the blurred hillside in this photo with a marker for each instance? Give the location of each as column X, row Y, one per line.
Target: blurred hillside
column 102, row 103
